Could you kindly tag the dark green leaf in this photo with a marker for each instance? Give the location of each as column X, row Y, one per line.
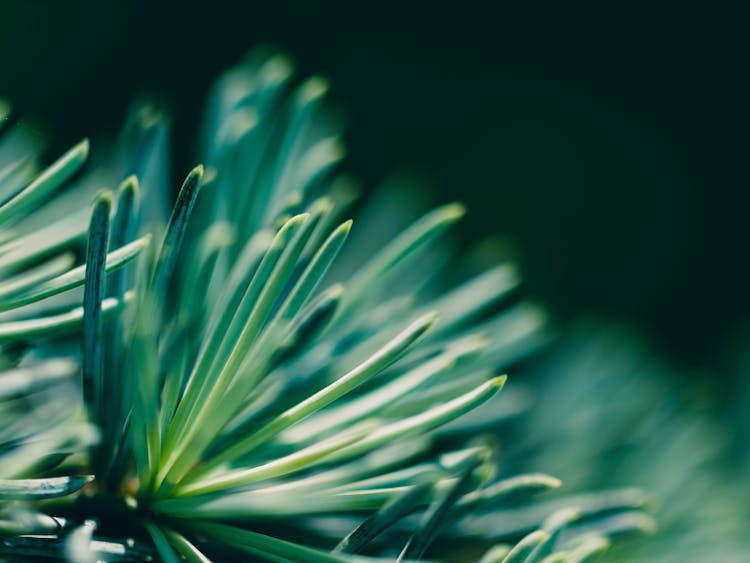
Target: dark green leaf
column 383, row 519
column 176, row 229
column 96, row 255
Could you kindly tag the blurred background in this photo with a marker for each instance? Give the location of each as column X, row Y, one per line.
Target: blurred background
column 607, row 141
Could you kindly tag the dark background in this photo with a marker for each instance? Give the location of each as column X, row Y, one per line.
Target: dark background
column 607, row 140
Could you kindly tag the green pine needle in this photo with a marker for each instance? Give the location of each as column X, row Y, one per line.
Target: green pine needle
column 259, row 386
